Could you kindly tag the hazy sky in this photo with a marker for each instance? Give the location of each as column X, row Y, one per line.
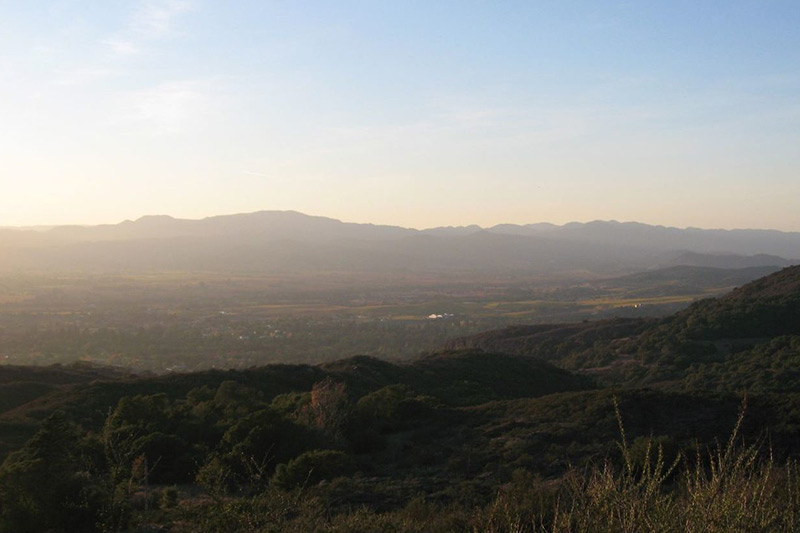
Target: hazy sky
column 417, row 113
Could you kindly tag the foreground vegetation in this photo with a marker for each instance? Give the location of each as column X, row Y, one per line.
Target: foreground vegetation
column 597, row 426
column 730, row 488
column 62, row 481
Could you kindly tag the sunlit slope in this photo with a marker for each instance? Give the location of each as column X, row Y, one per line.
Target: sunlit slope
column 746, row 335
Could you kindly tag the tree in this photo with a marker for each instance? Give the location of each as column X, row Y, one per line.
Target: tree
column 330, row 410
column 49, row 483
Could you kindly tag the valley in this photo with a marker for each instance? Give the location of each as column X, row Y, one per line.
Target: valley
column 502, row 417
column 190, row 321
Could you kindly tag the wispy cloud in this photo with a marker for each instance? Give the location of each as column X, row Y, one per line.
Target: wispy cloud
column 141, row 29
column 122, row 47
column 168, row 107
column 82, row 76
column 154, row 18
column 151, row 20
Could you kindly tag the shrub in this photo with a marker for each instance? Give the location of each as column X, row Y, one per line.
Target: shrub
column 312, row 467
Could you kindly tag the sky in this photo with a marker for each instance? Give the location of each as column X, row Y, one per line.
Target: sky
column 413, row 113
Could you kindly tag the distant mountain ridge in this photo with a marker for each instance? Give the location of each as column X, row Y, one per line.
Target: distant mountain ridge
column 281, row 240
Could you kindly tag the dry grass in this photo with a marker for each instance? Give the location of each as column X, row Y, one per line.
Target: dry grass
column 729, row 488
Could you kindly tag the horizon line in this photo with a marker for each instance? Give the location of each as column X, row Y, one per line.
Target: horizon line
column 48, row 227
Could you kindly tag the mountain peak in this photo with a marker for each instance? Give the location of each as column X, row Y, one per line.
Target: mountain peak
column 151, row 219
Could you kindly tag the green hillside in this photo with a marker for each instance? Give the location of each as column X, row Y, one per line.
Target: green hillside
column 753, row 327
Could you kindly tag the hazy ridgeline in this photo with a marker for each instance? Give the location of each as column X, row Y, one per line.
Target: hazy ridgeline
column 290, row 242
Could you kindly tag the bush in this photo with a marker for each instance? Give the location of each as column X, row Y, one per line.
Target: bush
column 312, row 467
column 169, row 497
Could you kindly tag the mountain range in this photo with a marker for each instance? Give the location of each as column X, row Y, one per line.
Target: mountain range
column 279, row 241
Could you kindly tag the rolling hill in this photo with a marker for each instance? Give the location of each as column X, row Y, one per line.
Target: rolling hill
column 670, row 351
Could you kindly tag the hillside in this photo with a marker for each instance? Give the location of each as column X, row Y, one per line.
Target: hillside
column 783, row 284
column 669, row 351
column 689, row 277
column 727, row 261
column 362, row 443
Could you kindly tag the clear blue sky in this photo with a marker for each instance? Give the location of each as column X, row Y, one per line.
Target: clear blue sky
column 416, row 113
